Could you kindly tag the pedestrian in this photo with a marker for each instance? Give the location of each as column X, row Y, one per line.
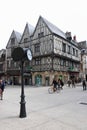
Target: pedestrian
column 84, row 84
column 73, row 83
column 61, row 83
column 69, row 83
column 2, row 86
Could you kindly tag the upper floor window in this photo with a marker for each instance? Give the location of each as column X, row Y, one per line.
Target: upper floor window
column 61, row 62
column 77, row 53
column 69, row 49
column 64, row 62
column 37, row 47
column 12, row 49
column 12, row 40
column 1, row 67
column 37, row 61
column 40, row 34
column 74, row 51
column 63, row 47
column 25, row 40
column 8, row 64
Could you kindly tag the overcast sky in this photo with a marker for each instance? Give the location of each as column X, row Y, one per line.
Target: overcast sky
column 67, row 15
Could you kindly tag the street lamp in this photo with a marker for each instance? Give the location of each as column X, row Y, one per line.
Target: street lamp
column 21, row 54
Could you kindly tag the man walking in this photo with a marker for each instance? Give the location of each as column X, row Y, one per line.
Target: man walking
column 84, row 84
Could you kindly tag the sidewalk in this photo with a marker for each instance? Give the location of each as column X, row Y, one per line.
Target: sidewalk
column 62, row 111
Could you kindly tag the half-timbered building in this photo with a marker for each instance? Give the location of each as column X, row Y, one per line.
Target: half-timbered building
column 55, row 53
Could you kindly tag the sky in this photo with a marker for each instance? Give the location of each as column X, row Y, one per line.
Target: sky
column 67, row 15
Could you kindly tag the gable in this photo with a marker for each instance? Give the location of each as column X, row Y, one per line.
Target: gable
column 29, row 29
column 14, row 39
column 41, row 27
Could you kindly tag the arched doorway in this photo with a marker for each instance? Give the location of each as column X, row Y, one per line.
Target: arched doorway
column 47, row 81
column 28, row 79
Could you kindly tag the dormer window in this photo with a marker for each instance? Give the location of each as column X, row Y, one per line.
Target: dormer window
column 40, row 34
column 12, row 40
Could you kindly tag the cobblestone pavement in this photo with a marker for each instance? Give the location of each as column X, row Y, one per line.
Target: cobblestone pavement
column 66, row 110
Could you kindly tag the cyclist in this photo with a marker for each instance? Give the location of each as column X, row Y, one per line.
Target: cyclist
column 55, row 83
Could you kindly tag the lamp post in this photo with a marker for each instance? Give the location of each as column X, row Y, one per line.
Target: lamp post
column 22, row 103
column 21, row 54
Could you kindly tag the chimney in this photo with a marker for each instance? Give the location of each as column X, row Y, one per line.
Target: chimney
column 68, row 35
column 74, row 38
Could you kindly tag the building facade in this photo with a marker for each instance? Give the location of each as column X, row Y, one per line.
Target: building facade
column 55, row 54
column 2, row 63
column 83, row 70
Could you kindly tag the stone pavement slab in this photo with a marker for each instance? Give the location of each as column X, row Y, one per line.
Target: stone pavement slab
column 61, row 111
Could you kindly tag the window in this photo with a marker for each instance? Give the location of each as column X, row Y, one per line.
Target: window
column 12, row 40
column 12, row 63
column 77, row 53
column 8, row 64
column 69, row 49
column 64, row 62
column 37, row 47
column 37, row 61
column 67, row 63
column 40, row 34
column 1, row 67
column 61, row 62
column 74, row 51
column 63, row 47
column 25, row 40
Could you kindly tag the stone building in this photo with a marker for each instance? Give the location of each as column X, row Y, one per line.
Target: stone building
column 2, row 63
column 12, row 68
column 83, row 68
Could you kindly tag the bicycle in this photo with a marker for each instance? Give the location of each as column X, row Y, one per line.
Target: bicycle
column 51, row 90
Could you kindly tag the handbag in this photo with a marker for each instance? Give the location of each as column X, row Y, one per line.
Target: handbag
column 0, row 91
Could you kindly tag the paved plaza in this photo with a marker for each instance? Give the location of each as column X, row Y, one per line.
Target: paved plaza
column 66, row 110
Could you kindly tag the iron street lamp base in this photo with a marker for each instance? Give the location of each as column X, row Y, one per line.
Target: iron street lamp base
column 22, row 110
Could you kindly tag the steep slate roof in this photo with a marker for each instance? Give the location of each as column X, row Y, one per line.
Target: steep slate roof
column 31, row 28
column 57, row 31
column 54, row 29
column 18, row 36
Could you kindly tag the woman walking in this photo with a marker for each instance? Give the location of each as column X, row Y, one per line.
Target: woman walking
column 2, row 86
